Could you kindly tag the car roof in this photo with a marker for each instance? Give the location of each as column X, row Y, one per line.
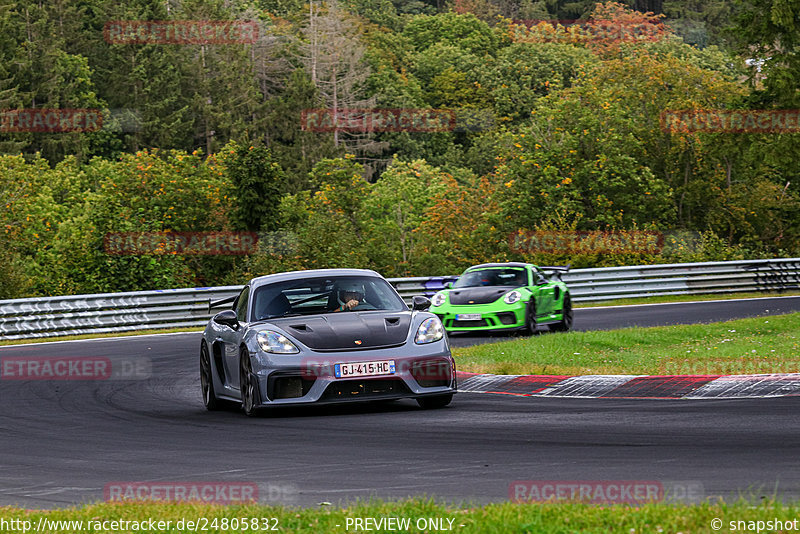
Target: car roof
column 508, row 264
column 314, row 273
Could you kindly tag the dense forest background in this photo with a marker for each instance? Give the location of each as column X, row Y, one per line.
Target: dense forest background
column 557, row 128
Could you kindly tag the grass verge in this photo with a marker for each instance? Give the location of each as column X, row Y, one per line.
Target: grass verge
column 742, row 346
column 546, row 518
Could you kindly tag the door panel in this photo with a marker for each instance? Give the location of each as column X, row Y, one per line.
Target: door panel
column 232, row 339
column 544, row 294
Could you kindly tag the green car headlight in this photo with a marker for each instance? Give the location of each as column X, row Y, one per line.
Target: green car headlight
column 512, row 297
column 276, row 343
column 438, row 299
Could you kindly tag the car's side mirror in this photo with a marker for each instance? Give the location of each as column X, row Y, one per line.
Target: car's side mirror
column 420, row 303
column 448, row 285
column 227, row 318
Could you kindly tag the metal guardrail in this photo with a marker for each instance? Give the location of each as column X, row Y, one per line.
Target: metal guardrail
column 188, row 308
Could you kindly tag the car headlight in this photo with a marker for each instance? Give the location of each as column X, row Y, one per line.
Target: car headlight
column 438, row 299
column 429, row 331
column 512, row 297
column 274, row 342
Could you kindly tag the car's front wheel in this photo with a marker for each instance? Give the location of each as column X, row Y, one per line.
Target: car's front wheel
column 565, row 324
column 439, row 401
column 206, row 380
column 530, row 317
column 247, row 384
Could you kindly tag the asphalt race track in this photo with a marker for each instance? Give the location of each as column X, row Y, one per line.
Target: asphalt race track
column 62, row 442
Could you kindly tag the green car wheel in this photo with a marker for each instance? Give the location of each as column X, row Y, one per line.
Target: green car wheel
column 565, row 324
column 530, row 319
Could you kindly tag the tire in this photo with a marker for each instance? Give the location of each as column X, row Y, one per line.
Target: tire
column 207, row 380
column 432, row 403
column 530, row 318
column 565, row 324
column 247, row 386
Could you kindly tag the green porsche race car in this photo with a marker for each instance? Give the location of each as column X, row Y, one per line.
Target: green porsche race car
column 505, row 296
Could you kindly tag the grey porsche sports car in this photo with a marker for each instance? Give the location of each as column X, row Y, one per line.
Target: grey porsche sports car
column 324, row 336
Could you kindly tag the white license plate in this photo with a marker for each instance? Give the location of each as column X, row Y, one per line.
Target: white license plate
column 346, row 370
column 468, row 317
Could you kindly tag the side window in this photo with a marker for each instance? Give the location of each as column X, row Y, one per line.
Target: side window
column 241, row 305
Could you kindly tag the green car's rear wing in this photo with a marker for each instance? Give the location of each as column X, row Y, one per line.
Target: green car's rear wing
column 555, row 271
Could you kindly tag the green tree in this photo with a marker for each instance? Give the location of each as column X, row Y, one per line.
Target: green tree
column 641, row 88
column 295, row 149
column 327, row 226
column 396, row 207
column 464, row 31
column 258, row 182
column 525, row 72
column 463, row 226
column 768, row 30
column 220, row 80
column 148, row 192
column 42, row 73
column 334, row 58
column 10, row 97
column 144, row 79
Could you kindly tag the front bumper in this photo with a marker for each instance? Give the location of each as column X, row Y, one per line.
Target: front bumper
column 311, row 379
column 493, row 317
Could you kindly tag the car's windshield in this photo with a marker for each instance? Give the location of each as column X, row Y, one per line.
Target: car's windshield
column 312, row 296
column 500, row 276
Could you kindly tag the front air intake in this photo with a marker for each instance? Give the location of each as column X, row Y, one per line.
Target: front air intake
column 432, row 374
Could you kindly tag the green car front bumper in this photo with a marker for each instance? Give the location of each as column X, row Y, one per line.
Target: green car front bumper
column 492, row 316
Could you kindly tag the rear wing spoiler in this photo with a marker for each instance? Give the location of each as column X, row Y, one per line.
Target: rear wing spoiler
column 220, row 302
column 556, row 270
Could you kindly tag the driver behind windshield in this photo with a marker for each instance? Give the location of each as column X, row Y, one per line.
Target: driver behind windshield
column 493, row 277
column 349, row 295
